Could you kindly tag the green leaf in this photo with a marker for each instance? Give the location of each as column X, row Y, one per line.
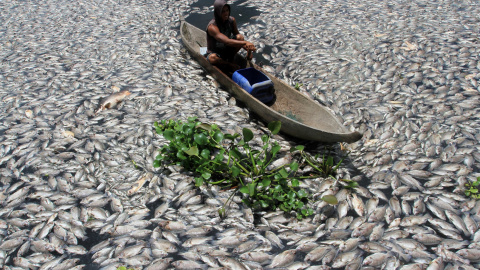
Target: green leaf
column 247, row 134
column 235, row 171
column 205, row 154
column 264, row 204
column 300, row 204
column 291, row 195
column 181, row 156
column 204, row 126
column 168, row 134
column 200, row 138
column 221, row 212
column 264, row 138
column 156, row 163
column 251, row 189
column 198, row 181
column 191, row 118
column 187, row 130
column 294, row 166
column 206, row 175
column 476, row 183
column 330, row 161
column 219, row 157
column 231, row 137
column 283, row 173
column 275, row 149
column 122, row 268
column 266, row 182
column 274, row 126
column 244, row 189
column 218, row 136
column 352, row 184
column 330, row 199
column 236, row 154
column 302, row 194
column 295, row 183
column 192, row 151
column 299, row 147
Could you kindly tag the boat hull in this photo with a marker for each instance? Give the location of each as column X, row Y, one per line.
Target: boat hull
column 301, row 117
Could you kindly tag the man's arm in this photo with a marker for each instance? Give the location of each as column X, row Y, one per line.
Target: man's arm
column 215, row 33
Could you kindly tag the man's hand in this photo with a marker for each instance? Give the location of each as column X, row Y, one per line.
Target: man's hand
column 249, row 55
column 249, row 46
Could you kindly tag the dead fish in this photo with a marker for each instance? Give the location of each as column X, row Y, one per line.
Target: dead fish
column 112, row 100
column 469, row 253
column 283, row 258
column 376, row 259
column 450, row 256
column 427, row 239
column 231, row 263
column 317, row 254
column 139, row 184
column 357, row 204
column 274, row 239
column 344, row 258
column 256, row 256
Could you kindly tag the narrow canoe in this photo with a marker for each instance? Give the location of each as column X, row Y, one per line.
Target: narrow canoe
column 301, row 117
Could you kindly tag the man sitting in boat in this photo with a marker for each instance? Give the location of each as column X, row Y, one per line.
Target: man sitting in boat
column 223, row 38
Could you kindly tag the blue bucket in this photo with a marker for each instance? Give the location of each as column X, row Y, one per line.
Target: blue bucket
column 256, row 83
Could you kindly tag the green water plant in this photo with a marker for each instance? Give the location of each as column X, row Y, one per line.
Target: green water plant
column 195, row 146
column 349, row 184
column 124, row 268
column 264, row 187
column 323, row 165
column 472, row 189
column 298, row 85
column 236, row 161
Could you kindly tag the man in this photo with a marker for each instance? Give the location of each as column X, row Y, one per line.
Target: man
column 223, row 38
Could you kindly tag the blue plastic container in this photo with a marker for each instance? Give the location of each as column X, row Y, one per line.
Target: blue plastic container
column 256, row 83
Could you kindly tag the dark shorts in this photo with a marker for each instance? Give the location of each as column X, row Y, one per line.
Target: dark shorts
column 226, row 53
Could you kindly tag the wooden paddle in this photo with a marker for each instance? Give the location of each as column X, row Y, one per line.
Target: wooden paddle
column 249, row 59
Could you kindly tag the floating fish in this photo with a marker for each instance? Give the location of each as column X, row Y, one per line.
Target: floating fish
column 112, row 101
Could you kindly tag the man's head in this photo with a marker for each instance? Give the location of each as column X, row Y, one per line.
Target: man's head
column 225, row 13
column 221, row 11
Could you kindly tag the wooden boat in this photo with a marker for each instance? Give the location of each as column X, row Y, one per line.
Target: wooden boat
column 301, row 117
